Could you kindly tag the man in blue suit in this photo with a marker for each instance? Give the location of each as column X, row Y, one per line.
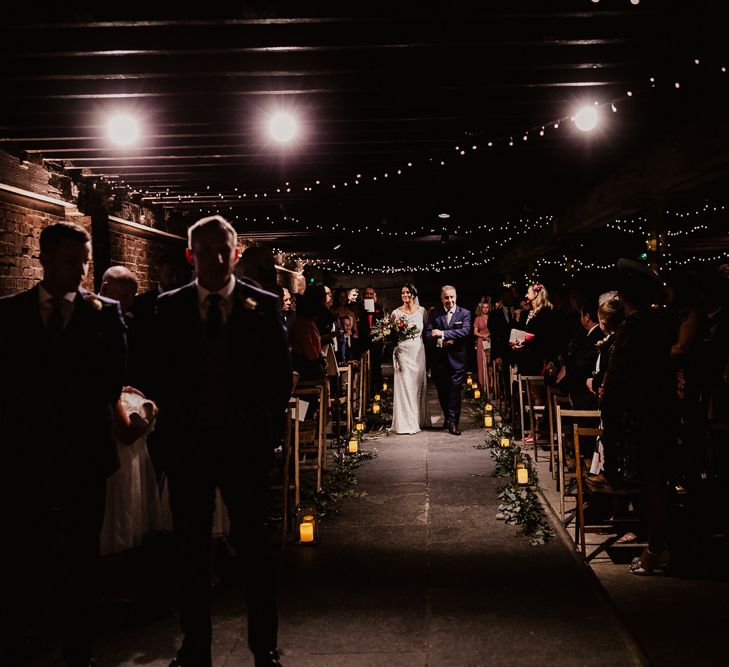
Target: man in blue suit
column 446, row 333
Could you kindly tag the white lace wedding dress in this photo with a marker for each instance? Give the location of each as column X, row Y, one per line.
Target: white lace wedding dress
column 409, row 403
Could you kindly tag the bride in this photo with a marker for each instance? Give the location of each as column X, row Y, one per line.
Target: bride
column 409, row 405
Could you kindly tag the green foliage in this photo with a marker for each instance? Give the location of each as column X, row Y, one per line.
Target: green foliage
column 519, row 505
column 339, row 482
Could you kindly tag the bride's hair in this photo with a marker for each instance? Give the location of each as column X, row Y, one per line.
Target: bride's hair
column 412, row 289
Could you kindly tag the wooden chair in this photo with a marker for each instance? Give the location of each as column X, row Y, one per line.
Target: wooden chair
column 309, row 437
column 562, row 476
column 527, row 407
column 583, row 491
column 554, row 397
column 345, row 398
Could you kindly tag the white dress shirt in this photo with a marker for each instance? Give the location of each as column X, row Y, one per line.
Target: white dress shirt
column 46, row 307
column 226, row 304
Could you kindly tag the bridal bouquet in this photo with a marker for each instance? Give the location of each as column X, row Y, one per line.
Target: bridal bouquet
column 393, row 329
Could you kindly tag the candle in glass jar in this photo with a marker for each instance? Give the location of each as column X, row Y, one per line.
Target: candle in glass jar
column 489, row 407
column 488, row 421
column 375, row 408
column 477, row 393
column 505, row 442
column 384, row 386
column 353, row 446
column 306, row 530
column 377, row 397
column 522, row 476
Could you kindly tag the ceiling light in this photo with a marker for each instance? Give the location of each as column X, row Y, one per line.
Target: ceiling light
column 586, row 118
column 444, row 216
column 282, row 127
column 123, row 129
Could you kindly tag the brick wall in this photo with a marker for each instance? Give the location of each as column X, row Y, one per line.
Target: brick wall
column 20, row 228
column 138, row 251
column 21, row 222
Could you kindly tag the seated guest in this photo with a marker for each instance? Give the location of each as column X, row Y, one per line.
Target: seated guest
column 349, row 348
column 342, row 306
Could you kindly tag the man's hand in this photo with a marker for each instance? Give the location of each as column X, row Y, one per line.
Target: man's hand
column 448, row 343
column 436, row 333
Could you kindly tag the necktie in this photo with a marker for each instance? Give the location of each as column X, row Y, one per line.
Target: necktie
column 344, row 347
column 55, row 319
column 215, row 316
column 448, row 317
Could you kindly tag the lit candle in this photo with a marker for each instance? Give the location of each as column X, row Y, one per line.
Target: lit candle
column 306, row 529
column 360, row 426
column 353, row 446
column 469, row 380
column 489, row 407
column 477, row 393
column 384, row 386
column 488, row 421
column 505, row 442
column 377, row 398
column 375, row 408
column 522, row 476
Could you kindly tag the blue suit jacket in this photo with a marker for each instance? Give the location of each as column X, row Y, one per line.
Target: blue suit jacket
column 458, row 331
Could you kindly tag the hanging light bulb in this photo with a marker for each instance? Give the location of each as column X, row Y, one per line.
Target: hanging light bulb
column 586, row 118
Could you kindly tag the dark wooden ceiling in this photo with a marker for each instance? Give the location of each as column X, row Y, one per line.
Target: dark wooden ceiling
column 373, row 92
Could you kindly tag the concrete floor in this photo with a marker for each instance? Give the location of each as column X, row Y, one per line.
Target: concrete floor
column 419, row 572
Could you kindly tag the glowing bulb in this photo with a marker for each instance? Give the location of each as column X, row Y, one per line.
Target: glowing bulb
column 586, row 119
column 282, row 127
column 123, row 130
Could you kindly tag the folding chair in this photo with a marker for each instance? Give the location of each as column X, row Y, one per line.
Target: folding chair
column 583, row 490
column 554, row 396
column 562, row 477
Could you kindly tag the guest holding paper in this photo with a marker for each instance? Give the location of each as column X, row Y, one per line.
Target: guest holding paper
column 535, row 347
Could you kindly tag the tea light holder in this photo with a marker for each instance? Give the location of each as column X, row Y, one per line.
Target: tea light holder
column 307, row 529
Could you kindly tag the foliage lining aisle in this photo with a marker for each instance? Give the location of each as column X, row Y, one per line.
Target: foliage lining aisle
column 520, row 503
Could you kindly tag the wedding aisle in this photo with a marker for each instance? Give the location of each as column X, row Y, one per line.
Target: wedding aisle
column 417, row 572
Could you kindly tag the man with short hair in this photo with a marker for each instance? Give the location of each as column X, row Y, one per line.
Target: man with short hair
column 581, row 359
column 224, row 377
column 62, row 351
column 348, row 347
column 120, row 284
column 447, row 332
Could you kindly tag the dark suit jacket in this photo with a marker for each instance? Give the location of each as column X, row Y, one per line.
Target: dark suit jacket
column 354, row 350
column 57, row 398
column 458, row 331
column 500, row 331
column 258, row 368
column 580, row 365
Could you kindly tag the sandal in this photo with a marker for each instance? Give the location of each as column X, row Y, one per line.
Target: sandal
column 646, row 565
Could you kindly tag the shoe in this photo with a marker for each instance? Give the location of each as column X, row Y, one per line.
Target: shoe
column 453, row 430
column 270, row 659
column 647, row 564
column 529, row 440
